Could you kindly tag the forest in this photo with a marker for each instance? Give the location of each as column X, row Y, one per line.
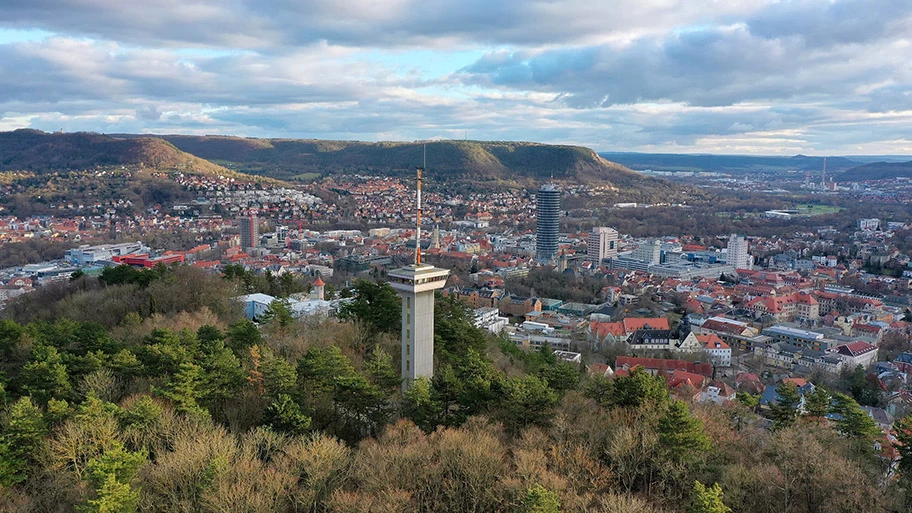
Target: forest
column 148, row 391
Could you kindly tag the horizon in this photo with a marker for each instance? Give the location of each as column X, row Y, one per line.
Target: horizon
column 813, row 77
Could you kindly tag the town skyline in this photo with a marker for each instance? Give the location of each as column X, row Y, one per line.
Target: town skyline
column 763, row 78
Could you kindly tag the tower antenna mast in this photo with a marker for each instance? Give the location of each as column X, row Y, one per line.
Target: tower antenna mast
column 418, row 215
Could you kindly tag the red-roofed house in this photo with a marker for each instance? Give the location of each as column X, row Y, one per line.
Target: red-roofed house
column 858, row 353
column 718, row 351
column 632, row 324
column 658, row 365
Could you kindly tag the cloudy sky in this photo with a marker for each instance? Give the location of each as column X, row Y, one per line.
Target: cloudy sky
column 721, row 76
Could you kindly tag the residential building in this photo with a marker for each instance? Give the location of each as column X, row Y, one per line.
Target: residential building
column 250, row 231
column 737, row 254
column 489, row 318
column 716, row 349
column 868, row 224
column 858, row 353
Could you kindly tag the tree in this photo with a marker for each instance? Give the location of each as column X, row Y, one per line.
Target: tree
column 852, row 421
column 539, row 499
column 748, row 400
column 525, row 401
column 380, row 371
column 243, row 335
column 375, row 304
column 681, row 434
column 817, row 403
column 283, row 414
column 45, row 376
column 10, row 334
column 784, row 411
column 419, row 406
column 705, row 499
column 110, row 475
column 22, row 436
column 186, row 388
column 639, row 387
column 278, row 314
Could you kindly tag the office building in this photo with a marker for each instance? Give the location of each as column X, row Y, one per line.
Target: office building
column 602, row 244
column 650, row 251
column 547, row 223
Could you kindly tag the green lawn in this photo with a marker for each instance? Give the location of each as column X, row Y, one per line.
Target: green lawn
column 816, row 210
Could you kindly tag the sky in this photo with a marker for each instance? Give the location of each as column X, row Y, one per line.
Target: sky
column 763, row 77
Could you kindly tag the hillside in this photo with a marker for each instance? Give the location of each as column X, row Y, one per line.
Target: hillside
column 36, row 151
column 727, row 163
column 287, row 158
column 876, row 171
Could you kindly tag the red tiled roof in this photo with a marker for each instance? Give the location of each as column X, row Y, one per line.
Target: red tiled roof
column 856, row 349
column 632, row 324
column 712, row 341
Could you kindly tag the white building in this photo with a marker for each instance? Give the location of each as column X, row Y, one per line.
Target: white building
column 868, row 224
column 601, row 244
column 489, row 318
column 737, row 255
column 650, row 251
column 718, row 351
column 85, row 255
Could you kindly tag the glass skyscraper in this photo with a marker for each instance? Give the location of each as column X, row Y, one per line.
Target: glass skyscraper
column 547, row 223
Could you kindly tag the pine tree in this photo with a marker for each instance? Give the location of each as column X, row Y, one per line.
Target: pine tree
column 817, row 403
column 852, row 421
column 785, row 410
column 681, row 434
column 705, row 499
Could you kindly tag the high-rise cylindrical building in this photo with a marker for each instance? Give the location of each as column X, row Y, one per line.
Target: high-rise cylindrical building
column 547, row 223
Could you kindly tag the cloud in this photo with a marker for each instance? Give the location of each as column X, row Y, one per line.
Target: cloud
column 806, row 75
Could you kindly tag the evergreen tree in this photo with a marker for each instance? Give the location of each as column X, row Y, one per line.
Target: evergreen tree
column 283, row 414
column 681, row 434
column 705, row 499
column 20, row 440
column 380, row 371
column 419, row 406
column 817, row 403
column 186, row 388
column 784, row 411
column 539, row 499
column 110, row 475
column 524, row 401
column 375, row 304
column 639, row 387
column 852, row 421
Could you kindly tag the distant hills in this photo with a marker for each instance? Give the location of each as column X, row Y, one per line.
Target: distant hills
column 728, row 163
column 876, row 171
column 288, row 158
column 491, row 162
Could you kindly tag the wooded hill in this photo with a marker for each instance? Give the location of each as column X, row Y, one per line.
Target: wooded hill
column 490, row 159
column 36, row 151
column 492, row 162
column 877, row 171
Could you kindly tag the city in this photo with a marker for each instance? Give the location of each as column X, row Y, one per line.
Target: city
column 399, row 256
